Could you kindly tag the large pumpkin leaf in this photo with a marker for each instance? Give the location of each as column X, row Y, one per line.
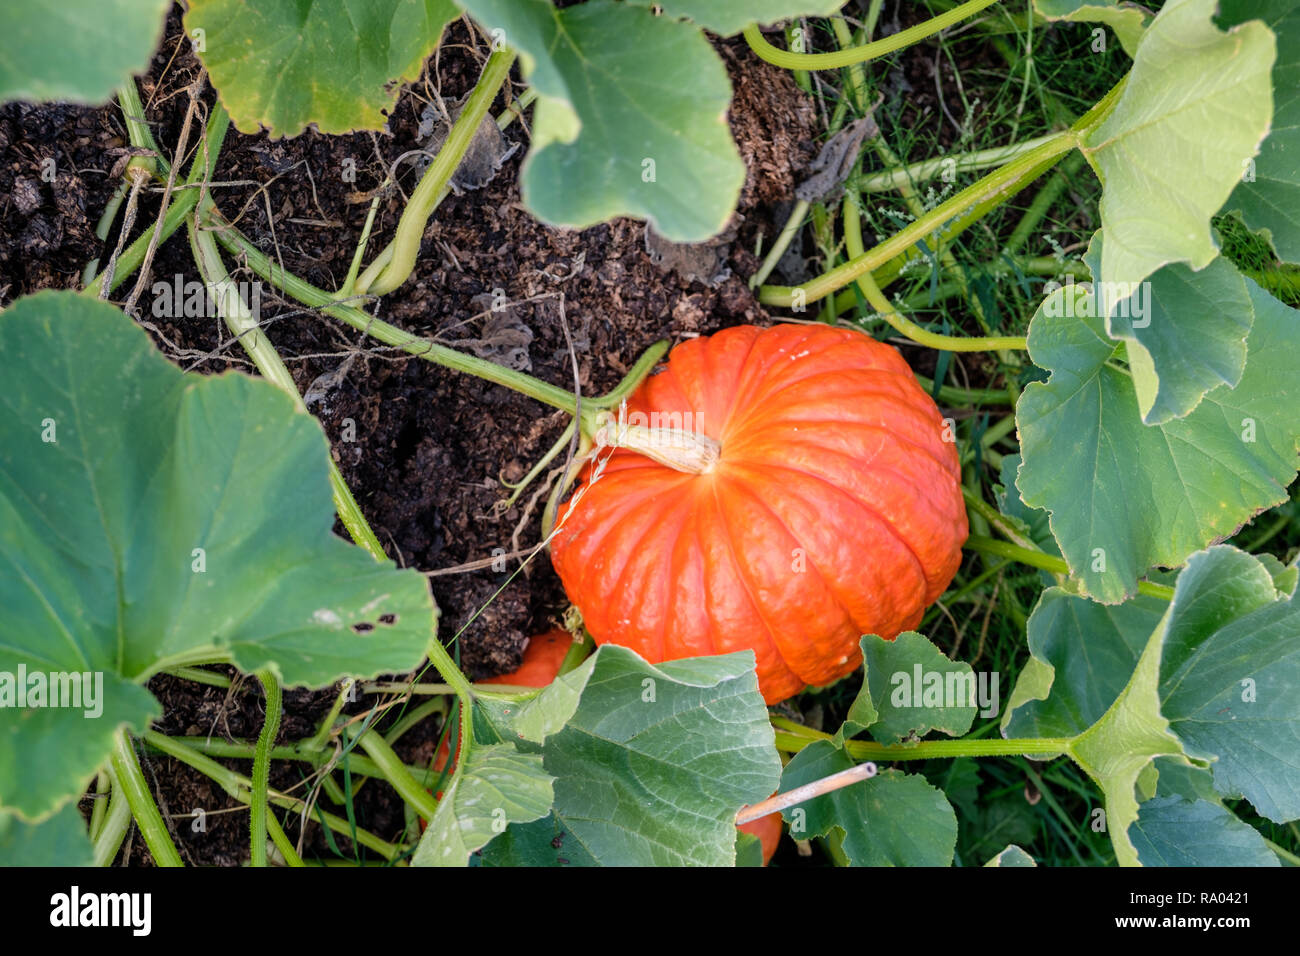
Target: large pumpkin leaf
column 497, row 786
column 1197, row 104
column 1128, row 20
column 1124, row 496
column 150, row 518
column 630, row 118
column 1186, row 333
column 731, row 16
column 652, row 766
column 76, row 50
column 1271, row 200
column 891, row 819
column 336, row 64
column 1175, row 831
column 59, row 840
column 1228, row 653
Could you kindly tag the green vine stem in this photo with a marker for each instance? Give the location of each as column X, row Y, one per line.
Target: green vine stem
column 951, row 217
column 99, row 806
column 987, row 193
column 903, row 325
column 262, row 768
column 1048, row 562
column 300, row 751
column 130, row 779
column 138, row 132
column 239, row 788
column 997, row 520
column 1041, row 747
column 914, row 173
column 244, row 326
column 433, row 184
column 184, row 199
column 394, row 771
column 793, row 223
column 113, row 829
column 869, row 51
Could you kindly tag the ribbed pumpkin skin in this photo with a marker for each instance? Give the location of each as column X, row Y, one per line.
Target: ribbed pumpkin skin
column 834, row 511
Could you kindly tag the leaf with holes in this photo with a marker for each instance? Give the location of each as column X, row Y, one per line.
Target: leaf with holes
column 150, row 519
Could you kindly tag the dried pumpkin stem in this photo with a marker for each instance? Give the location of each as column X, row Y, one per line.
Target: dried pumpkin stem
column 678, row 448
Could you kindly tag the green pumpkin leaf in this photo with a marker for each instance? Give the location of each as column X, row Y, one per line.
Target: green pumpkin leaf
column 652, row 766
column 1269, row 195
column 630, row 118
column 59, row 840
column 1175, row 831
column 1128, row 20
column 1196, row 106
column 1012, row 856
column 77, row 51
column 1226, row 651
column 1125, row 496
column 150, row 518
column 910, row 687
column 891, row 819
column 1185, row 331
column 335, row 64
column 497, row 786
column 1231, row 666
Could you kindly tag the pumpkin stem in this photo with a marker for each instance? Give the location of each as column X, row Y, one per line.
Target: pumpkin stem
column 678, row 448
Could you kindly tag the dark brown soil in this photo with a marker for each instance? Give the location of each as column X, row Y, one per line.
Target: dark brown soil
column 431, row 446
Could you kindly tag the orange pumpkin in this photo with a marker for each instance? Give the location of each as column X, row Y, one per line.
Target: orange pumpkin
column 823, row 502
column 542, row 659
column 768, row 829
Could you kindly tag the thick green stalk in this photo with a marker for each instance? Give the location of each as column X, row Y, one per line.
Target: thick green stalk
column 869, row 51
column 395, row 772
column 1048, row 562
column 949, row 218
column 433, row 184
column 918, row 172
column 130, row 779
column 113, row 830
column 984, row 195
column 182, row 204
column 262, row 768
column 904, row 326
column 244, row 326
column 934, row 749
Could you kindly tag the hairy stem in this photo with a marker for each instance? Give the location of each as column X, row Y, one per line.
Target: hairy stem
column 869, row 51
column 262, row 768
column 129, row 777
